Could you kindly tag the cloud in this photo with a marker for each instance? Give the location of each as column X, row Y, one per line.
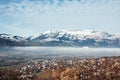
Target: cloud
column 41, row 15
column 30, row 8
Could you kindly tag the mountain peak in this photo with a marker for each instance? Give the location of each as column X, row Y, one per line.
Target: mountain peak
column 66, row 38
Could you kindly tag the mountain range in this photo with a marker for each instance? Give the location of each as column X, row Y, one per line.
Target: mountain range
column 71, row 38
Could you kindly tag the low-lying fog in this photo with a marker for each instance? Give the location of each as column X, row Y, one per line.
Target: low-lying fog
column 62, row 51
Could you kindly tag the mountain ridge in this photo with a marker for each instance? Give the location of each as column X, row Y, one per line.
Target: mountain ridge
column 70, row 38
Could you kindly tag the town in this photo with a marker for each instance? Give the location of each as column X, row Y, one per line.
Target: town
column 65, row 68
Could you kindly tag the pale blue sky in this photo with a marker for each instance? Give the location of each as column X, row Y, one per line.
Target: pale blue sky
column 30, row 17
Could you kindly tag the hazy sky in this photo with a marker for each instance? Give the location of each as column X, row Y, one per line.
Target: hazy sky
column 30, row 17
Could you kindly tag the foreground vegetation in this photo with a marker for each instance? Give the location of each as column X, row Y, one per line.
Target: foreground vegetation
column 65, row 68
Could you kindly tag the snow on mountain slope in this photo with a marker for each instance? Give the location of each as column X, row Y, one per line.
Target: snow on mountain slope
column 12, row 38
column 64, row 38
column 72, row 35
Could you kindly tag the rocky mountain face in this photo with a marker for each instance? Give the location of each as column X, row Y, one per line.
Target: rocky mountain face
column 74, row 38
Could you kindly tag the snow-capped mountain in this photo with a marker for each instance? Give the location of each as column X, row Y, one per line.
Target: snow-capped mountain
column 7, row 39
column 71, row 38
column 10, row 37
column 73, row 35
